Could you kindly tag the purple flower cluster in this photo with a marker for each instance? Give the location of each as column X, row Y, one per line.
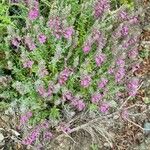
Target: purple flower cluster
column 67, row 96
column 64, row 75
column 58, row 28
column 16, row 41
column 104, row 107
column 119, row 75
column 29, row 43
column 130, row 42
column 43, row 92
column 102, row 84
column 35, row 133
column 47, row 135
column 99, row 59
column 132, row 86
column 42, row 38
column 86, row 81
column 42, row 71
column 34, row 11
column 95, row 37
column 133, row 53
column 64, row 127
column 101, row 6
column 78, row 104
column 87, row 47
column 68, row 32
column 27, row 64
column 123, row 15
column 24, row 119
column 74, row 101
column 96, row 97
column 124, row 30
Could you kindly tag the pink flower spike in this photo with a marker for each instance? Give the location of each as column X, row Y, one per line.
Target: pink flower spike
column 42, row 38
column 104, row 108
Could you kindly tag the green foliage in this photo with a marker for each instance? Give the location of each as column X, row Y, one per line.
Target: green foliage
column 54, row 113
column 94, row 147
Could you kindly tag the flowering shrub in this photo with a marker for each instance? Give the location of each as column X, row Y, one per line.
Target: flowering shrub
column 75, row 56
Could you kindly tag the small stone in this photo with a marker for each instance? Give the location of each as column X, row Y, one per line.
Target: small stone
column 1, row 137
column 147, row 127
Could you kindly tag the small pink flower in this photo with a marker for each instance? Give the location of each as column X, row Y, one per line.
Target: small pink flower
column 100, row 59
column 56, row 27
column 67, row 96
column 132, row 54
column 47, row 135
column 41, row 90
column 103, row 83
column 123, row 15
column 135, row 67
column 64, row 75
column 16, row 42
column 28, row 64
column 23, row 119
column 104, row 108
column 42, row 72
column 110, row 70
column 132, row 86
column 29, row 43
column 33, row 14
column 68, row 32
column 119, row 75
column 65, row 127
column 29, row 114
column 134, row 20
column 42, row 38
column 120, row 62
column 86, row 81
column 125, row 114
column 34, row 11
column 96, row 98
column 80, row 105
column 45, row 125
column 100, row 7
column 124, row 30
column 86, row 48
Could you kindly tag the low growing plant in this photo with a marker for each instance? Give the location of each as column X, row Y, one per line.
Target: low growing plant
column 78, row 56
